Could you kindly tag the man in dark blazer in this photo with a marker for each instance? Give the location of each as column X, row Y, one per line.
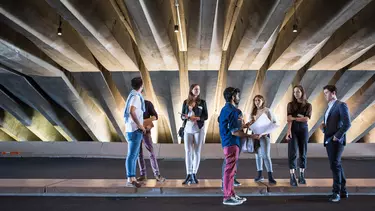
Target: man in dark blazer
column 336, row 124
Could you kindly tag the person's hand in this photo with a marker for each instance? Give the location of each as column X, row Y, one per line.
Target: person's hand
column 322, row 126
column 185, row 116
column 288, row 135
column 142, row 128
column 256, row 136
column 194, row 118
column 335, row 139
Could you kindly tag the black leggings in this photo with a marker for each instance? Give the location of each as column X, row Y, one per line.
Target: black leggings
column 300, row 138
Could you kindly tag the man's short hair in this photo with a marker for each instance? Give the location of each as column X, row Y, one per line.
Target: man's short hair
column 331, row 88
column 229, row 92
column 137, row 83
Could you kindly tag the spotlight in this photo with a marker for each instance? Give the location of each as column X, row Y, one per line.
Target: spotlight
column 175, row 28
column 295, row 28
column 59, row 30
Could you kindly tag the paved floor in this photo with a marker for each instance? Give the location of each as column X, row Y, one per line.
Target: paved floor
column 73, row 168
column 306, row 203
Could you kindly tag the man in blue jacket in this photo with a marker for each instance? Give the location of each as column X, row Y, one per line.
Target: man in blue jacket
column 230, row 133
column 336, row 124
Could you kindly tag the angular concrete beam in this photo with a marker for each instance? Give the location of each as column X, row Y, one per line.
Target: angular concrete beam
column 232, row 11
column 95, row 21
column 30, row 118
column 256, row 32
column 362, row 99
column 20, row 111
column 205, row 34
column 313, row 32
column 152, row 38
column 26, row 91
column 4, row 136
column 66, row 50
column 369, row 137
column 213, row 127
column 362, row 125
column 56, row 84
column 15, row 129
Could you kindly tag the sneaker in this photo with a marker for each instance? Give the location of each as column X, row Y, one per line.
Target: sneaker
column 232, row 202
column 236, row 183
column 238, row 198
column 159, row 178
column 259, row 179
column 133, row 184
column 142, row 178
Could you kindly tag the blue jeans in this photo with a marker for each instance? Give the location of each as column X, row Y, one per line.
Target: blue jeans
column 134, row 142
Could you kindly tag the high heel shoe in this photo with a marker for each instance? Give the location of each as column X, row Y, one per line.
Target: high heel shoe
column 188, row 179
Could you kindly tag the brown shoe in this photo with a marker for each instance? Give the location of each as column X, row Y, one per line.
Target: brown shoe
column 159, row 178
column 133, row 184
column 142, row 178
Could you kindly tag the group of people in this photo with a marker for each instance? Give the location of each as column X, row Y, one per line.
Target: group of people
column 139, row 115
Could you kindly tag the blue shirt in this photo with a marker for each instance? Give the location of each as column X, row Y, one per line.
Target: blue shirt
column 228, row 123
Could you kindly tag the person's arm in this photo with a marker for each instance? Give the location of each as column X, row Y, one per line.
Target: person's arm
column 152, row 112
column 290, row 121
column 344, row 114
column 235, row 126
column 135, row 118
column 183, row 112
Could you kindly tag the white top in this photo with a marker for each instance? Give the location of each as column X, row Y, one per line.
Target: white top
column 330, row 104
column 191, row 127
column 130, row 126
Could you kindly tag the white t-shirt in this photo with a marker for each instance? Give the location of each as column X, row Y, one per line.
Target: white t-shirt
column 191, row 127
column 130, row 126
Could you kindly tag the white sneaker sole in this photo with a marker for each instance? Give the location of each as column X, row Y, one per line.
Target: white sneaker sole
column 230, row 204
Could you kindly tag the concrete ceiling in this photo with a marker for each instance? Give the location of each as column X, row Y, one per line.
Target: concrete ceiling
column 73, row 87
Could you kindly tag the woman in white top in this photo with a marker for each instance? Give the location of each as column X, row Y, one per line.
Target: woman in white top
column 194, row 114
column 263, row 153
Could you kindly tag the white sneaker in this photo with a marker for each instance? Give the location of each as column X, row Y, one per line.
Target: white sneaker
column 238, row 198
column 232, row 201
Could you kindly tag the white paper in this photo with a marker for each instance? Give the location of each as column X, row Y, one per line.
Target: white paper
column 263, row 125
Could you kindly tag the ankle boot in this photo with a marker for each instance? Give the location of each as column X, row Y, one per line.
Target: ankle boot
column 194, row 179
column 301, row 179
column 293, row 180
column 188, row 179
column 271, row 180
column 259, row 178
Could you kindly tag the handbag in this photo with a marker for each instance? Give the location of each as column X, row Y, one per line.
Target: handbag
column 182, row 129
column 249, row 145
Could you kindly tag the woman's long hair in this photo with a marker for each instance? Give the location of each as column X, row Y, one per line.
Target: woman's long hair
column 191, row 95
column 303, row 97
column 255, row 108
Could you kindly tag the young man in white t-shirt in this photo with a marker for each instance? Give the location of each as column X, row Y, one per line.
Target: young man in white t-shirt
column 134, row 109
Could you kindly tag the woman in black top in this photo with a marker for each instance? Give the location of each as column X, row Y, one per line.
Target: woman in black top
column 299, row 113
column 194, row 114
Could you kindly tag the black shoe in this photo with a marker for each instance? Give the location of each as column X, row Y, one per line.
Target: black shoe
column 194, row 179
column 271, row 180
column 236, row 183
column 344, row 194
column 259, row 178
column 188, row 179
column 301, row 179
column 293, row 180
column 334, row 198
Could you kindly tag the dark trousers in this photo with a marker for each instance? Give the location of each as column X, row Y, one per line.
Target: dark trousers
column 334, row 151
column 300, row 138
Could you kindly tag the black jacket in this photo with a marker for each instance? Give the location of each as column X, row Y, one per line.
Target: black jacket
column 200, row 110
